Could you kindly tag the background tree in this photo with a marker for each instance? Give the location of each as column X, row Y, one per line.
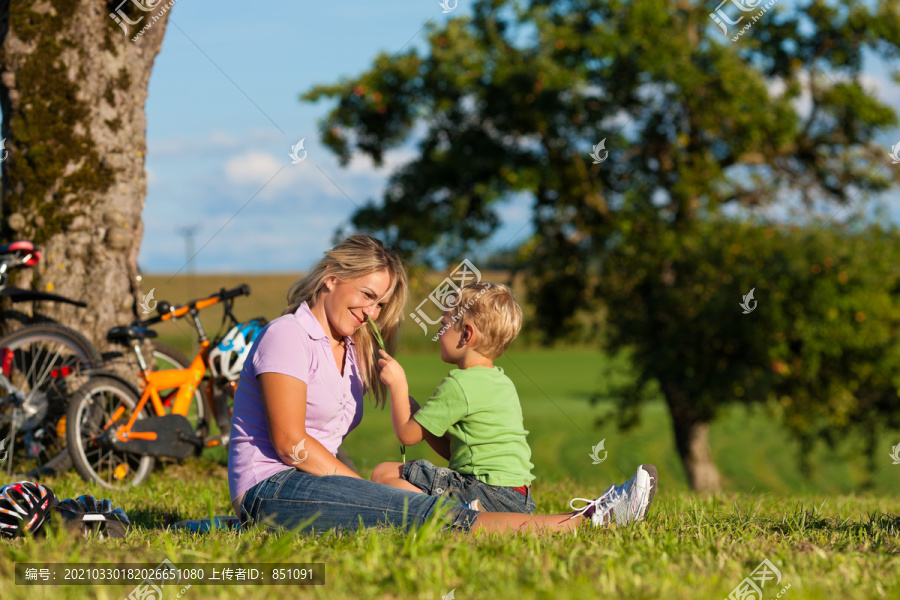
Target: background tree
column 73, row 88
column 818, row 347
column 512, row 100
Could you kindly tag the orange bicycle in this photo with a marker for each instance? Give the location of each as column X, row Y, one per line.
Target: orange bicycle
column 114, row 431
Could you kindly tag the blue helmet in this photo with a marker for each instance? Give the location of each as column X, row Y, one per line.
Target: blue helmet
column 227, row 358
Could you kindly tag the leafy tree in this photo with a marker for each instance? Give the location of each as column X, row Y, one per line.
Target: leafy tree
column 835, row 344
column 73, row 85
column 817, row 343
column 513, row 99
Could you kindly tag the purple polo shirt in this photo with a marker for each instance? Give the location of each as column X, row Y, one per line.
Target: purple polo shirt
column 293, row 345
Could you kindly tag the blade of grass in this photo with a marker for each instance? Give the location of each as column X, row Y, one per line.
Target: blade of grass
column 381, row 343
column 377, row 334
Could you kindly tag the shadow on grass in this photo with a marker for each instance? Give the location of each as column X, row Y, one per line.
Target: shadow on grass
column 875, row 529
column 155, row 518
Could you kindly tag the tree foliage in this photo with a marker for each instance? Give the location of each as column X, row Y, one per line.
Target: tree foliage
column 819, row 345
column 511, row 101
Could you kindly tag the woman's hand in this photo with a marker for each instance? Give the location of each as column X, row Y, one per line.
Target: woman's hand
column 392, row 374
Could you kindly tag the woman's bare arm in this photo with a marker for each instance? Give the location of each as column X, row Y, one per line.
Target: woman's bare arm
column 284, row 403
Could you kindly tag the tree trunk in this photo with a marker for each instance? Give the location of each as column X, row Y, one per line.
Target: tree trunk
column 692, row 441
column 72, row 89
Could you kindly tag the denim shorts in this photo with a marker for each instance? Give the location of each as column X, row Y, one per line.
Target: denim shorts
column 441, row 481
column 290, row 498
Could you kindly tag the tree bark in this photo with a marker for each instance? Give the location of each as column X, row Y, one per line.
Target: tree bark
column 692, row 441
column 73, row 88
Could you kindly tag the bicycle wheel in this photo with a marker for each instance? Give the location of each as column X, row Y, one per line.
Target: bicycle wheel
column 11, row 320
column 91, row 410
column 167, row 357
column 41, row 365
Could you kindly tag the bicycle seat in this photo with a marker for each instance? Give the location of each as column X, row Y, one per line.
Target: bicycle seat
column 22, row 247
column 13, row 246
column 123, row 334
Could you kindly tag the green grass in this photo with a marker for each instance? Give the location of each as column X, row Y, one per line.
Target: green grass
column 753, row 453
column 833, row 532
column 824, row 546
column 554, row 386
column 828, row 537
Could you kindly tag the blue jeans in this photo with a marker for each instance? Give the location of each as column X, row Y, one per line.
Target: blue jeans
column 290, row 497
column 440, row 481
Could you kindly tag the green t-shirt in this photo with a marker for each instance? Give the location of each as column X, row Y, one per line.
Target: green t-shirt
column 480, row 409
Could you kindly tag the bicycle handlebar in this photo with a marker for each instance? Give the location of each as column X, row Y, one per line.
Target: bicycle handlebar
column 241, row 290
column 168, row 312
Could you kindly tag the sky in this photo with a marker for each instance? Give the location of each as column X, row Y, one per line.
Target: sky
column 223, row 113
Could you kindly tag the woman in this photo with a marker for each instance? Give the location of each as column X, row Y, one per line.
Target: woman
column 301, row 392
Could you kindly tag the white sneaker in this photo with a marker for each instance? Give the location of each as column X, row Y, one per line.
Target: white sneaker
column 625, row 503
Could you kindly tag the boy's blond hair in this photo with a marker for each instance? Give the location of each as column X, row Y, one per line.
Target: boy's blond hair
column 493, row 310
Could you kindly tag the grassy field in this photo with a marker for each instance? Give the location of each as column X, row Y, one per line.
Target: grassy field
column 832, row 532
column 554, row 386
column 823, row 546
column 753, row 453
column 827, row 536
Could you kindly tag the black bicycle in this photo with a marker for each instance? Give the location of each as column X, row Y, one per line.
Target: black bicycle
column 41, row 364
column 16, row 255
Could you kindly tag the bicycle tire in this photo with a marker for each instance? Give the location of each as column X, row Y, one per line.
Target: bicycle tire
column 34, row 403
column 90, row 409
column 167, row 357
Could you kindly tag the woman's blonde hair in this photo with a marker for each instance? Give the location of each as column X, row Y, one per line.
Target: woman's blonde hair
column 493, row 310
column 355, row 257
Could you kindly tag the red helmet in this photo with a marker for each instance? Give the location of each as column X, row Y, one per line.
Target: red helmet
column 24, row 507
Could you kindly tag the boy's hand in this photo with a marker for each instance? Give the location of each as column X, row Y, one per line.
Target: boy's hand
column 392, row 374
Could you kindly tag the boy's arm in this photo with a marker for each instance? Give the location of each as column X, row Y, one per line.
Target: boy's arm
column 407, row 429
column 441, row 445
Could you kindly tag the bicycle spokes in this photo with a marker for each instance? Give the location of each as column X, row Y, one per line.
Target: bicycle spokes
column 36, row 365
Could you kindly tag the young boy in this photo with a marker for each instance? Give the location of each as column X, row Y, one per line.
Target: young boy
column 473, row 419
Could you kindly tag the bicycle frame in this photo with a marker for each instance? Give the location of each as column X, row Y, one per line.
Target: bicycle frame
column 186, row 381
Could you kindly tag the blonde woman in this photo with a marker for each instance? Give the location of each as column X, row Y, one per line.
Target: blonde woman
column 301, row 392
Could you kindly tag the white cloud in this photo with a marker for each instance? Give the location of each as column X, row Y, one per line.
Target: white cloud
column 362, row 164
column 223, row 139
column 252, row 167
column 255, row 171
column 270, row 223
column 319, row 175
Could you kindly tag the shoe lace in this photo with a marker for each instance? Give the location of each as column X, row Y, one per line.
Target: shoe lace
column 605, row 501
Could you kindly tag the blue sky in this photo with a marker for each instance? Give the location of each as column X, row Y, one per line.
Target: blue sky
column 223, row 112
